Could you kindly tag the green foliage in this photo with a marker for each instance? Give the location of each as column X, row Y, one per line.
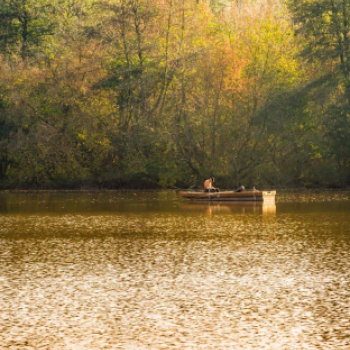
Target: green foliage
column 325, row 26
column 24, row 24
column 145, row 94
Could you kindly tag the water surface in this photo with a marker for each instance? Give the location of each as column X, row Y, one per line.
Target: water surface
column 148, row 270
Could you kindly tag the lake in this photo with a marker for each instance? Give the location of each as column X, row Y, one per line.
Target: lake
column 148, row 270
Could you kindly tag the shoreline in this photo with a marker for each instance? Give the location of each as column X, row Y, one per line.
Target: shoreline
column 97, row 190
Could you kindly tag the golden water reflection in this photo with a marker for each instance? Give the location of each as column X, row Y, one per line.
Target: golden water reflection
column 156, row 273
column 267, row 208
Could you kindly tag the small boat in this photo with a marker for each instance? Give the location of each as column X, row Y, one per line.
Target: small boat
column 229, row 195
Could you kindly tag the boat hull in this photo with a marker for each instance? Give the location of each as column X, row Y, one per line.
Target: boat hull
column 258, row 196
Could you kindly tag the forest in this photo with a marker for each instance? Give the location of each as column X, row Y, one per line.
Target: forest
column 166, row 93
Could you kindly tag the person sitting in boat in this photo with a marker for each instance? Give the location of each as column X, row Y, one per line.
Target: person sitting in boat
column 208, row 185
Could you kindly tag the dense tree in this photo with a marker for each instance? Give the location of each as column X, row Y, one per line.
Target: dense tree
column 165, row 93
column 325, row 24
column 23, row 25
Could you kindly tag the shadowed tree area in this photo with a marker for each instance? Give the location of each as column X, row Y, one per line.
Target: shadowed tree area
column 149, row 94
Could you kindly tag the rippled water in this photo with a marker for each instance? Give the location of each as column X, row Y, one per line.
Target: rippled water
column 147, row 270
